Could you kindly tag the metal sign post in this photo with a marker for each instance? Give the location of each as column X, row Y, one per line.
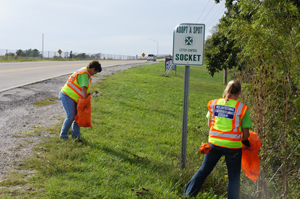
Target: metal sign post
column 188, row 49
column 185, row 115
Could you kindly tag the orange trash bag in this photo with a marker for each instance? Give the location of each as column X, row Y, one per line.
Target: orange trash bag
column 83, row 117
column 250, row 158
column 204, row 148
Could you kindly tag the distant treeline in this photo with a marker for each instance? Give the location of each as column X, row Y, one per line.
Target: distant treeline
column 6, row 54
column 35, row 53
column 26, row 53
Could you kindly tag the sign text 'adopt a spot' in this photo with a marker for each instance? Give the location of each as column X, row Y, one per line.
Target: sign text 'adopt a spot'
column 188, row 44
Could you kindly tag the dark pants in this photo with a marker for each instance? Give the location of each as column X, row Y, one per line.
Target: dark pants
column 233, row 161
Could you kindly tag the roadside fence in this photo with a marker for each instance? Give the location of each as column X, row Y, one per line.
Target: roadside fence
column 6, row 54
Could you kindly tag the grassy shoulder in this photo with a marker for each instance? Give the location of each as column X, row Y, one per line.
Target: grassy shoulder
column 45, row 102
column 134, row 148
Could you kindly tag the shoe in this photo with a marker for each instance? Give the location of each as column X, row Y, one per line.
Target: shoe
column 77, row 139
column 64, row 138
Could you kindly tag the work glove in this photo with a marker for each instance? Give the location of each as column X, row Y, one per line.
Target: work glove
column 246, row 142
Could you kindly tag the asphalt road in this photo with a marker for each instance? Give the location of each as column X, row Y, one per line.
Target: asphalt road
column 17, row 74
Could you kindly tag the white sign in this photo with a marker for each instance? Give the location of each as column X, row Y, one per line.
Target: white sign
column 188, row 44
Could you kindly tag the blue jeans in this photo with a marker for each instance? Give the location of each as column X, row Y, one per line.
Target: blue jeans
column 233, row 161
column 70, row 107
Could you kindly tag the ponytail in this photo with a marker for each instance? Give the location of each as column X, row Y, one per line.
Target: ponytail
column 233, row 87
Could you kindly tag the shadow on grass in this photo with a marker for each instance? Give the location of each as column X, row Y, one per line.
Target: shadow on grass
column 161, row 168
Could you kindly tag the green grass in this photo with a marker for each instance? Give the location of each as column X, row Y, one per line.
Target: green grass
column 134, row 147
column 45, row 102
column 35, row 131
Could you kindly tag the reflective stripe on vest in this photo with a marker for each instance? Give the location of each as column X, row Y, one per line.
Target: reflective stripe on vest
column 80, row 71
column 225, row 135
column 221, row 137
column 72, row 88
column 238, row 112
column 211, row 107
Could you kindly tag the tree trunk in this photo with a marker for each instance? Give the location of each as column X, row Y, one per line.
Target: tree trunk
column 225, row 76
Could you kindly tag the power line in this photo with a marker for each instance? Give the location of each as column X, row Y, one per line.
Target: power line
column 209, row 11
column 203, row 11
column 208, row 24
column 216, row 15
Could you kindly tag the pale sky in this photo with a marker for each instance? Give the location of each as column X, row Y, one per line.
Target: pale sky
column 121, row 27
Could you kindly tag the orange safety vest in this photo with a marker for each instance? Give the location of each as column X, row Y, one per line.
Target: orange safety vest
column 72, row 89
column 226, row 119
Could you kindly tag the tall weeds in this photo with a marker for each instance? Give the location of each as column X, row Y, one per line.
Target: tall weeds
column 272, row 99
column 268, row 34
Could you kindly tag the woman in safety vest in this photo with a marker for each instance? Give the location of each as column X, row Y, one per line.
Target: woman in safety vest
column 78, row 85
column 229, row 123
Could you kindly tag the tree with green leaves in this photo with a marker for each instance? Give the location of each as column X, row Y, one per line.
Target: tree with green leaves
column 32, row 53
column 222, row 52
column 35, row 53
column 267, row 37
column 20, row 53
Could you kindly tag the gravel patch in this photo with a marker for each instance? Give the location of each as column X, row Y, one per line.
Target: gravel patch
column 18, row 114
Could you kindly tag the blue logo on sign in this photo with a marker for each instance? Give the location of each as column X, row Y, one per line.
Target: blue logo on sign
column 224, row 111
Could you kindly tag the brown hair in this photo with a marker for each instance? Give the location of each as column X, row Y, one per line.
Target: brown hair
column 233, row 87
column 96, row 65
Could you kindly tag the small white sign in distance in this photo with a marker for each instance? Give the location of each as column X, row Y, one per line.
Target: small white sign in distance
column 188, row 44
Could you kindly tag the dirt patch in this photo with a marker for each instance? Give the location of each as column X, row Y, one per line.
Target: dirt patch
column 18, row 115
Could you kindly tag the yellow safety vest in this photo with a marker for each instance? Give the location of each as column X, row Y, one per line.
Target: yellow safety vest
column 226, row 130
column 72, row 89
